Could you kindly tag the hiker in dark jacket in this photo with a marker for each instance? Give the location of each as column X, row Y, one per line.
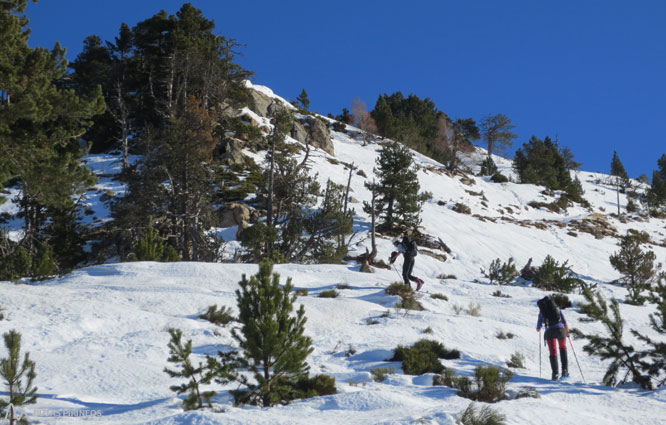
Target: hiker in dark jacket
column 407, row 247
column 556, row 329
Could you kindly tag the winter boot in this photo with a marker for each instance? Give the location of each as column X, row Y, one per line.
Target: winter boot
column 553, row 366
column 565, row 363
column 419, row 283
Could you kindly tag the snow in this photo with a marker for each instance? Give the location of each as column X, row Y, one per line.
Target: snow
column 99, row 334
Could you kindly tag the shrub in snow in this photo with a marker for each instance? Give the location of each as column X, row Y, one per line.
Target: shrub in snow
column 489, row 384
column 16, row 265
column 636, row 266
column 219, row 317
column 501, row 273
column 44, row 265
column 447, row 378
column 406, row 294
column 517, row 361
column 152, row 247
column 379, row 374
column 485, row 416
column 499, row 294
column 438, row 296
column 474, row 309
column 528, row 392
column 552, row 276
column 502, row 335
column 461, row 208
column 18, row 377
column 488, row 167
column 331, row 293
column 196, row 376
column 302, row 292
column 423, row 357
column 499, row 178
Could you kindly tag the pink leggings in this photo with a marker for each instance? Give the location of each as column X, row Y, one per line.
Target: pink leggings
column 552, row 348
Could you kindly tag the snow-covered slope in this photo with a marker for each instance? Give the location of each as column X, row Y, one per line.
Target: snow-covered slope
column 98, row 335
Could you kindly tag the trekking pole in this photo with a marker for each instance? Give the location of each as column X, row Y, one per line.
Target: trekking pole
column 539, row 344
column 396, row 270
column 576, row 357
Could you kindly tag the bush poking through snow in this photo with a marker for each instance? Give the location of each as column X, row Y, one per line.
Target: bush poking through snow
column 528, row 392
column 331, row 293
column 461, row 208
column 636, row 266
column 485, row 416
column 552, row 276
column 439, row 297
column 502, row 335
column 499, row 294
column 302, row 292
column 517, row 361
column 13, row 373
column 474, row 309
column 406, row 294
column 489, row 384
column 219, row 317
column 561, row 300
column 196, row 376
column 501, row 274
column 423, row 357
column 379, row 374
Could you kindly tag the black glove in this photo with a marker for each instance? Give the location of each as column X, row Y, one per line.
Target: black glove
column 394, row 255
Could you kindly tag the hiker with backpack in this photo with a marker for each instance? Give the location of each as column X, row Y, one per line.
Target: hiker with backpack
column 408, row 248
column 552, row 318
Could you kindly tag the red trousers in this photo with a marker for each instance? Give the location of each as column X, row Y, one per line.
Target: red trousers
column 552, row 347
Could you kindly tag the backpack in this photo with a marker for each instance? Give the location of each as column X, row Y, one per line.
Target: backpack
column 411, row 249
column 549, row 311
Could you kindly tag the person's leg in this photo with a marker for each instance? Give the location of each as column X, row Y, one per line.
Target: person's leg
column 407, row 266
column 552, row 350
column 562, row 342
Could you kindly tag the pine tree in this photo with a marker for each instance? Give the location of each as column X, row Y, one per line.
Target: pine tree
column 196, row 376
column 637, row 268
column 540, row 162
column 36, row 105
column 496, row 131
column 621, row 179
column 398, row 200
column 14, row 373
column 303, row 100
column 273, row 345
column 656, row 364
column 656, row 195
column 611, row 347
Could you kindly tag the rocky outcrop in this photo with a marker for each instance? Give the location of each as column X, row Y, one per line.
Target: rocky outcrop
column 260, row 102
column 313, row 131
column 236, row 214
column 230, row 151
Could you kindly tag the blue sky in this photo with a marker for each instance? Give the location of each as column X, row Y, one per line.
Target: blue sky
column 591, row 73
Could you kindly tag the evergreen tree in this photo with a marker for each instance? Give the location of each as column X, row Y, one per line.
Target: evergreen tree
column 174, row 82
column 540, row 162
column 568, row 157
column 656, row 195
column 19, row 377
column 398, row 200
column 346, row 117
column 464, row 132
column 303, row 100
column 273, row 345
column 611, row 346
column 617, row 169
column 655, row 365
column 36, row 105
column 636, row 266
column 661, row 163
column 196, row 376
column 496, row 131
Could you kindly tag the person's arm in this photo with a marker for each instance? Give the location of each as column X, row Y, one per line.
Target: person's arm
column 539, row 323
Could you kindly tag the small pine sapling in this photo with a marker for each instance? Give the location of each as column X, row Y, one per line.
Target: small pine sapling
column 219, row 317
column 501, row 274
column 272, row 341
column 13, row 372
column 485, row 416
column 196, row 376
column 611, row 347
column 636, row 266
